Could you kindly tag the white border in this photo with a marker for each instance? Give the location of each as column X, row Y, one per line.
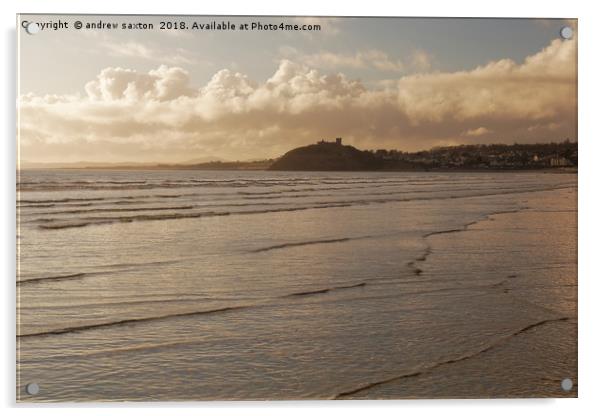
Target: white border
column 590, row 149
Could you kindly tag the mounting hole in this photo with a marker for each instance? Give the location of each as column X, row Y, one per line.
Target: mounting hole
column 32, row 388
column 567, row 384
column 566, row 32
column 32, row 28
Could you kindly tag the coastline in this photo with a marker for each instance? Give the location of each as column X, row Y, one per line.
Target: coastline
column 171, row 168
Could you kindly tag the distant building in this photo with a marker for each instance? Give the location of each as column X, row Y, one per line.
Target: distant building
column 338, row 141
column 559, row 161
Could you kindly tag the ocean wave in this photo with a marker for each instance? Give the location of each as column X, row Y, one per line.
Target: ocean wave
column 101, row 325
column 53, row 224
column 260, row 303
column 330, row 289
column 52, row 278
column 298, row 244
column 237, row 183
column 56, row 201
column 417, row 372
column 134, row 209
column 97, row 271
column 466, row 226
column 276, row 195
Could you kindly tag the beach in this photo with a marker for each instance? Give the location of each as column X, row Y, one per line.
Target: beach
column 233, row 285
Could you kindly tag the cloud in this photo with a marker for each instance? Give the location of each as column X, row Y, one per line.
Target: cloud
column 131, row 49
column 418, row 61
column 479, row 131
column 138, row 50
column 371, row 58
column 421, row 60
column 542, row 87
column 161, row 84
column 158, row 116
column 364, row 59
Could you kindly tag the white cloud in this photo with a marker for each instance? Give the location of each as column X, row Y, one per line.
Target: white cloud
column 160, row 84
column 542, row 87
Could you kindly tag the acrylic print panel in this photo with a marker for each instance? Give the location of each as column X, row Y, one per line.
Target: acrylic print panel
column 249, row 208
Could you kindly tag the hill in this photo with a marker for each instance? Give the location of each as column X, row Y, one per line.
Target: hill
column 327, row 156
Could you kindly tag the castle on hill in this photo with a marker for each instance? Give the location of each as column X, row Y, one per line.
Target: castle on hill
column 338, row 141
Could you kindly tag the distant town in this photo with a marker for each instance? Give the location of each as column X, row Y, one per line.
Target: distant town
column 496, row 156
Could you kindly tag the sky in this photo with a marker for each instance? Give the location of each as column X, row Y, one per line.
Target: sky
column 173, row 96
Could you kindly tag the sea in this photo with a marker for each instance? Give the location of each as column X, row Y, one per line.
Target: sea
column 257, row 285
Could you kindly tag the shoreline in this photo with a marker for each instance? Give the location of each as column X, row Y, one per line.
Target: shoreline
column 435, row 170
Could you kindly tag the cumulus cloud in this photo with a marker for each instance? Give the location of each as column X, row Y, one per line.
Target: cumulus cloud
column 158, row 116
column 543, row 87
column 161, row 84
